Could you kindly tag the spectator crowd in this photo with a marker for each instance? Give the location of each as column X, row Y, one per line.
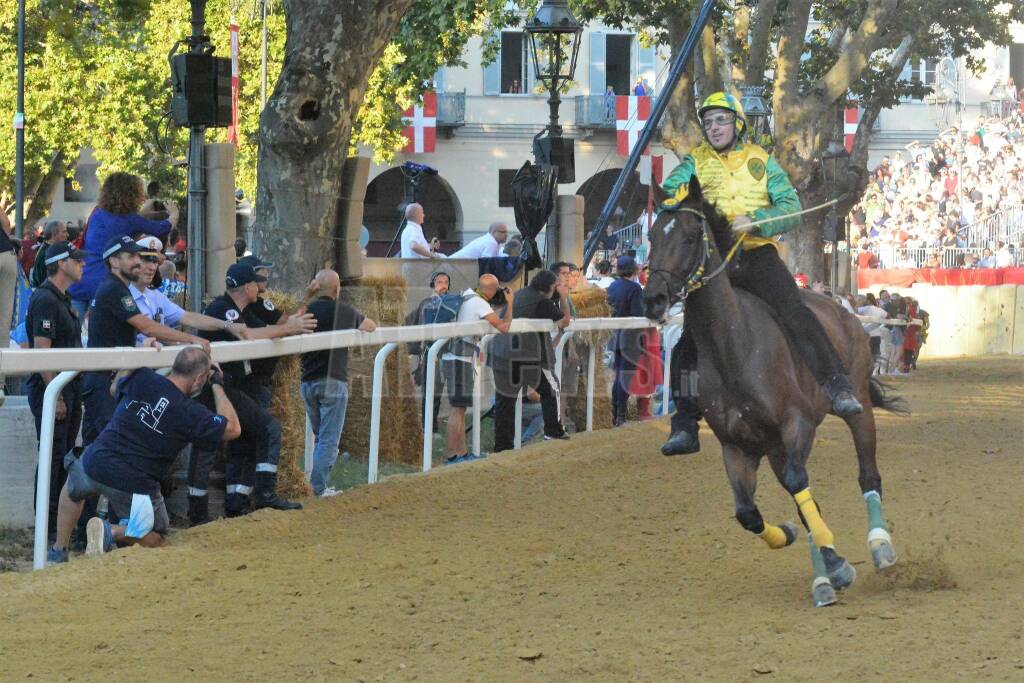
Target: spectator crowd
column 958, row 203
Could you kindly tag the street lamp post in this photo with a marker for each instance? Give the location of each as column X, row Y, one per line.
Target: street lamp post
column 554, row 46
column 758, row 114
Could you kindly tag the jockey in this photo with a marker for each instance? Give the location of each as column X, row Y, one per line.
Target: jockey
column 747, row 184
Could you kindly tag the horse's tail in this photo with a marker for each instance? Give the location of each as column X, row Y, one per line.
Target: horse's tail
column 882, row 397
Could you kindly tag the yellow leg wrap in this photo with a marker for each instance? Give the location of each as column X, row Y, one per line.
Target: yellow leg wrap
column 774, row 536
column 823, row 537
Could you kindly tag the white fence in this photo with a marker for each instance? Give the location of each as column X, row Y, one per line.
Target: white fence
column 1005, row 226
column 73, row 361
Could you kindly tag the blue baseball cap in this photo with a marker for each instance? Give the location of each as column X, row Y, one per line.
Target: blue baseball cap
column 118, row 244
column 241, row 274
column 624, row 261
column 255, row 262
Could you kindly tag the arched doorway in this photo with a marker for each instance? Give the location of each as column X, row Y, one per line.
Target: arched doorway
column 385, row 202
column 595, row 190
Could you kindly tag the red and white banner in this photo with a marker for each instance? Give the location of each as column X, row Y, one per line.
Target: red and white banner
column 651, row 168
column 235, row 83
column 421, row 126
column 851, row 118
column 631, row 114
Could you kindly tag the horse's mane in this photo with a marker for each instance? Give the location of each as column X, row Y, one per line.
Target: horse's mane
column 721, row 228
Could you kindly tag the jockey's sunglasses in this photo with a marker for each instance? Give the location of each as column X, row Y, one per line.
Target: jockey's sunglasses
column 721, row 119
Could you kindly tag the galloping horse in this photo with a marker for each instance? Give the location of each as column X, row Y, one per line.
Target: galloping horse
column 757, row 394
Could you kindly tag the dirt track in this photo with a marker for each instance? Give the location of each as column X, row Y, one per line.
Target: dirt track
column 596, row 559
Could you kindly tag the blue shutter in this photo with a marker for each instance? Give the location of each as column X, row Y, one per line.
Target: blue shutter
column 597, row 64
column 646, row 65
column 439, row 79
column 492, row 71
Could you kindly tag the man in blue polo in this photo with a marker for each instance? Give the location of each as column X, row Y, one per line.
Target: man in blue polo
column 154, row 420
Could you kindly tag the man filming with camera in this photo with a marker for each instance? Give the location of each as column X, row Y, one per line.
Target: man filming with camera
column 457, row 360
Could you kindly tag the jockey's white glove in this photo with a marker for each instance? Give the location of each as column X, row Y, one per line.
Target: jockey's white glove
column 742, row 224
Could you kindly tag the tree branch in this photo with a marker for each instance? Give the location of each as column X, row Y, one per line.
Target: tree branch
column 760, row 31
column 872, row 108
column 786, row 99
column 709, row 52
column 738, row 40
column 869, row 36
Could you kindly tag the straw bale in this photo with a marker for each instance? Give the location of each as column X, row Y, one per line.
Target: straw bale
column 383, row 299
column 593, row 303
column 289, row 409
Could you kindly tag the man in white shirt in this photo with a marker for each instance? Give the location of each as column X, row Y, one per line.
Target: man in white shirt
column 457, row 361
column 414, row 244
column 485, row 246
column 1004, row 259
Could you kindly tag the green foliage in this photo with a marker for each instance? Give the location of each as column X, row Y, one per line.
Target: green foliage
column 97, row 76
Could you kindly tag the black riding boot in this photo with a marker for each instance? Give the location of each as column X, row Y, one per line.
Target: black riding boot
column 236, row 505
column 685, row 428
column 840, row 392
column 265, row 495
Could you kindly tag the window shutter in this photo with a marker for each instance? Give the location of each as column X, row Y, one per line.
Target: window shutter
column 597, row 63
column 492, row 71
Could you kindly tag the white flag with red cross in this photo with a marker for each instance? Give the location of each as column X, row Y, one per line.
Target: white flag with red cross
column 851, row 118
column 421, row 126
column 631, row 114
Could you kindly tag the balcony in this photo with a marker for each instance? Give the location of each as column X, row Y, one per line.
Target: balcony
column 451, row 109
column 594, row 113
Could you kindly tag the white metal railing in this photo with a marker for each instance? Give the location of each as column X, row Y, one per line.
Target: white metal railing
column 71, row 362
column 1005, row 226
column 932, row 257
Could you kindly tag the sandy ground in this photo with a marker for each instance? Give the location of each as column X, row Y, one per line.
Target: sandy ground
column 593, row 559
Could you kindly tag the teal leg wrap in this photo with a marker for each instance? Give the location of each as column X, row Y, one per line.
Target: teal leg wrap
column 817, row 561
column 875, row 518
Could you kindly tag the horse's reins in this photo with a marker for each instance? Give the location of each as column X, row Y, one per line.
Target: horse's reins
column 696, row 279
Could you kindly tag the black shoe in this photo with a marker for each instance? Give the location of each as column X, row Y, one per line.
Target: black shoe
column 198, row 510
column 840, row 391
column 235, row 505
column 681, row 443
column 562, row 435
column 274, row 502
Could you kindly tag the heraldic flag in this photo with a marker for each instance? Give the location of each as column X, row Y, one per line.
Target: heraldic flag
column 421, row 126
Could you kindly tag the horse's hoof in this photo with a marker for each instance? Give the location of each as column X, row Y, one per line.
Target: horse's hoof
column 792, row 532
column 840, row 572
column 883, row 554
column 823, row 593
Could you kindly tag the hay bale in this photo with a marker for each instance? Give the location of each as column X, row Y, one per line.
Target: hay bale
column 593, row 303
column 289, row 409
column 383, row 299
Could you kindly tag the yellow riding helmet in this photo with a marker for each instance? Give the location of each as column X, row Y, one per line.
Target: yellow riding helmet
column 723, row 100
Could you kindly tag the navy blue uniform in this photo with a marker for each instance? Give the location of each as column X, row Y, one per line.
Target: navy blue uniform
column 109, row 314
column 51, row 316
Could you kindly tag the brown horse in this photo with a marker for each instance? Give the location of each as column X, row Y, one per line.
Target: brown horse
column 757, row 395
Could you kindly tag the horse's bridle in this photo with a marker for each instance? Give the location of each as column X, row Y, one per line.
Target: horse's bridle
column 696, row 279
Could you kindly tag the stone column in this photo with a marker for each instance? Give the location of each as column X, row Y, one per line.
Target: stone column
column 220, row 214
column 570, row 229
column 348, row 256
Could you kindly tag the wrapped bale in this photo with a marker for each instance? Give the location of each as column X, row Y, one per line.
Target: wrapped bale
column 289, row 409
column 592, row 303
column 383, row 299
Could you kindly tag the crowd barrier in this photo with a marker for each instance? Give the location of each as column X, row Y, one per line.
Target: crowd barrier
column 71, row 362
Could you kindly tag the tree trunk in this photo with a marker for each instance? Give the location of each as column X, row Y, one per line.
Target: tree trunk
column 40, row 196
column 305, row 128
column 681, row 133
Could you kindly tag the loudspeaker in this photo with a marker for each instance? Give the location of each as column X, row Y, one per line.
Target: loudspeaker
column 201, row 90
column 558, row 152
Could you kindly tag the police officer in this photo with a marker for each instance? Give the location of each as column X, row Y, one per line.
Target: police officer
column 260, row 443
column 115, row 320
column 52, row 323
column 259, row 381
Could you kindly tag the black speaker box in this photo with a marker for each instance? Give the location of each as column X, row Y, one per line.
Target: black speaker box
column 201, row 90
column 558, row 152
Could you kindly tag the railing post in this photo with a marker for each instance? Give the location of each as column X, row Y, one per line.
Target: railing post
column 666, row 380
column 477, row 389
column 429, row 380
column 517, row 442
column 378, row 386
column 53, row 390
column 309, row 447
column 590, row 385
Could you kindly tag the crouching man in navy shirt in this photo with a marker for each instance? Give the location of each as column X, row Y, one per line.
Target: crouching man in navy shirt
column 155, row 418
